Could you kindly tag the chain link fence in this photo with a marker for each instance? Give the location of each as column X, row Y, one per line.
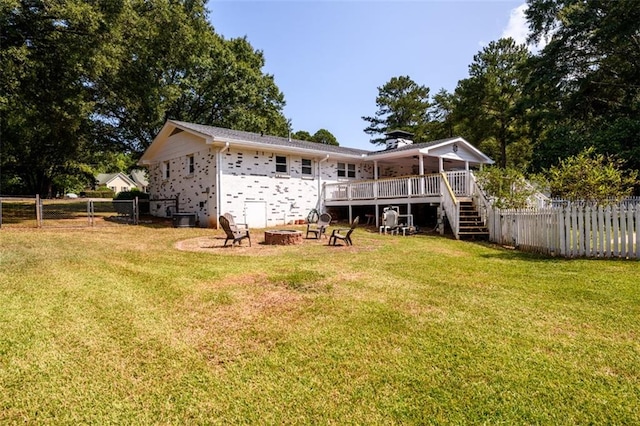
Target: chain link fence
column 19, row 212
column 32, row 212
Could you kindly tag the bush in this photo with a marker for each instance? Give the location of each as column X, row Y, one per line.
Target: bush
column 591, row 177
column 508, row 188
column 131, row 195
column 102, row 192
column 125, row 208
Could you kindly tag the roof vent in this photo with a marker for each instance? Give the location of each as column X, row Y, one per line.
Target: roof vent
column 398, row 139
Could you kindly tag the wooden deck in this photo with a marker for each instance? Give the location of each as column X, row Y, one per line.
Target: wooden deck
column 402, row 190
column 446, row 189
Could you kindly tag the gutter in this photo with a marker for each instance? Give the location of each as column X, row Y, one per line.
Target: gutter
column 320, row 179
column 218, row 181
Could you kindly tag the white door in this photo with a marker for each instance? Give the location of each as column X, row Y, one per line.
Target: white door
column 255, row 214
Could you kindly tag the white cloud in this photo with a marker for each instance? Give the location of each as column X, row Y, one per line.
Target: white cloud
column 517, row 27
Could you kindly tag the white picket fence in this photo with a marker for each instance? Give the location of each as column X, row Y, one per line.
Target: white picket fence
column 574, row 231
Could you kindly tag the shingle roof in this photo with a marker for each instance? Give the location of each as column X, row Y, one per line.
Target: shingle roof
column 220, row 132
column 414, row 146
column 104, row 178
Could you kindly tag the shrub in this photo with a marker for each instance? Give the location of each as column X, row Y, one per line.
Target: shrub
column 125, row 208
column 591, row 177
column 508, row 188
column 101, row 192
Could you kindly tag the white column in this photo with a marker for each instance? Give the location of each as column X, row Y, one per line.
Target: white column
column 440, row 165
column 421, row 172
column 375, row 181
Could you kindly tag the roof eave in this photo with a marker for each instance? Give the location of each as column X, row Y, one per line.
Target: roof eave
column 221, row 141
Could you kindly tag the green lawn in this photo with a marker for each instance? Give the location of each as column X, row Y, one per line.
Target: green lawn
column 117, row 325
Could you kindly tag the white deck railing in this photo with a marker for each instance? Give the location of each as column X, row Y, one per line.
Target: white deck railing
column 451, row 206
column 460, row 183
column 403, row 187
column 480, row 200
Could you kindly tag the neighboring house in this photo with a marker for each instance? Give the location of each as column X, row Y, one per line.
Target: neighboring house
column 268, row 181
column 140, row 178
column 117, row 182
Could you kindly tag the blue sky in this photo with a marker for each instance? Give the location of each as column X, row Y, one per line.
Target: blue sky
column 330, row 57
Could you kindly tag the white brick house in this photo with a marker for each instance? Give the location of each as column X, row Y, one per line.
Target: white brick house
column 268, row 181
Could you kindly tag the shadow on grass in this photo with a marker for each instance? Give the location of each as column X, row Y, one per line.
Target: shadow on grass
column 511, row 253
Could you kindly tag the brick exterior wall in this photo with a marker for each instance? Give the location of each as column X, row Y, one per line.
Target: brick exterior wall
column 196, row 192
column 247, row 176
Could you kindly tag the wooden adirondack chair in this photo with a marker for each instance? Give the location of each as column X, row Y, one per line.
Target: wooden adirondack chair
column 233, row 232
column 319, row 228
column 344, row 234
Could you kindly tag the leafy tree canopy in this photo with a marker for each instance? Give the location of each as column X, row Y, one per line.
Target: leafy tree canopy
column 302, row 135
column 402, row 105
column 325, row 137
column 487, row 103
column 585, row 84
column 321, row 136
column 83, row 78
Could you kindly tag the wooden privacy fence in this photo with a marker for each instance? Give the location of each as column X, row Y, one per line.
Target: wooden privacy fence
column 574, row 231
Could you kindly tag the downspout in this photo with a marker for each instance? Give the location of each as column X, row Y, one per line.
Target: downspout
column 375, row 191
column 218, row 181
column 320, row 198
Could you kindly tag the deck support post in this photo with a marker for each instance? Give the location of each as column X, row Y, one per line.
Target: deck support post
column 440, row 220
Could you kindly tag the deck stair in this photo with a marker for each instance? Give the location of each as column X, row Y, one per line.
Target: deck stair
column 471, row 226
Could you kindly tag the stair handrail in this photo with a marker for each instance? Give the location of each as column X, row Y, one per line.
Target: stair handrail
column 451, row 206
column 483, row 204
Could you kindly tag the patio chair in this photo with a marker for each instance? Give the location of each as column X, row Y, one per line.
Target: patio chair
column 319, row 229
column 389, row 222
column 232, row 223
column 233, row 232
column 344, row 234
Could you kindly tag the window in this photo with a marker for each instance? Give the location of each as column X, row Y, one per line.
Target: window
column 191, row 165
column 281, row 164
column 124, row 189
column 346, row 170
column 307, row 168
column 165, row 170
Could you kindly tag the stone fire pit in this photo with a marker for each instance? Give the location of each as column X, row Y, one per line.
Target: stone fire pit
column 283, row 237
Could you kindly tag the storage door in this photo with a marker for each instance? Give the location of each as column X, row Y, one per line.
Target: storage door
column 255, row 213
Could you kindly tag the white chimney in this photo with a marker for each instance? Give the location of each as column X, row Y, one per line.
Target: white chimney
column 398, row 139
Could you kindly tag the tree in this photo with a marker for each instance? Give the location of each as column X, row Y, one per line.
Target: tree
column 403, row 105
column 52, row 52
column 325, row 137
column 302, row 135
column 321, row 136
column 487, row 103
column 591, row 177
column 84, row 79
column 442, row 113
column 586, row 81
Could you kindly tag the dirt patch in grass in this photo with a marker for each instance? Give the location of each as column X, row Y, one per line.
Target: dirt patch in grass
column 241, row 317
column 216, row 245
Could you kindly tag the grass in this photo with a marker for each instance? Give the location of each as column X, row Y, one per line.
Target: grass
column 116, row 325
